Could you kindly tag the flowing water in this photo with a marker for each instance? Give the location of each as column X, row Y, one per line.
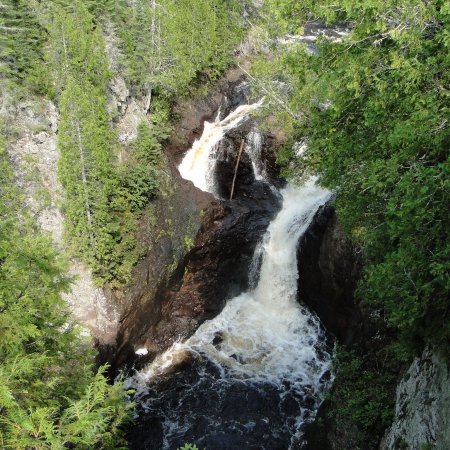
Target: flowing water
column 198, row 163
column 253, row 375
column 253, row 148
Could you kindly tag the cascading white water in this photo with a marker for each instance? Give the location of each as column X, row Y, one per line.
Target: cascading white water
column 257, row 370
column 263, row 336
column 253, row 148
column 272, row 335
column 264, row 333
column 198, row 163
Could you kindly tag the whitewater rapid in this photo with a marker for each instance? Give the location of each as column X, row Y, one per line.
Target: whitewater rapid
column 263, row 336
column 264, row 333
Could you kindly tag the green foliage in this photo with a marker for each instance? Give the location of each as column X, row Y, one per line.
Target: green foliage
column 20, row 41
column 425, row 446
column 140, row 173
column 382, row 144
column 183, row 39
column 364, row 393
column 373, row 109
column 49, row 396
column 188, row 447
column 103, row 198
column 165, row 47
column 76, row 47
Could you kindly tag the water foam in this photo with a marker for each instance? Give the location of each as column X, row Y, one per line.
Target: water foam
column 263, row 341
column 264, row 334
column 198, row 163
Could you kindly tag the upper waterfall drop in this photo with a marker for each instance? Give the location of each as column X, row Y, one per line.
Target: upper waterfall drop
column 253, row 148
column 198, row 163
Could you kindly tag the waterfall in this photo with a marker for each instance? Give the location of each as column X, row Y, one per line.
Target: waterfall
column 198, row 163
column 253, row 148
column 253, row 375
column 264, row 333
column 263, row 341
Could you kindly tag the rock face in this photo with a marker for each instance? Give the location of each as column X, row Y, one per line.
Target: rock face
column 199, row 249
column 329, row 268
column 245, row 176
column 35, row 156
column 422, row 410
column 166, row 231
column 328, row 271
column 215, row 268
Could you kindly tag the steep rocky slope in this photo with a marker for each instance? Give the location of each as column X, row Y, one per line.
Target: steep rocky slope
column 33, row 151
column 422, row 409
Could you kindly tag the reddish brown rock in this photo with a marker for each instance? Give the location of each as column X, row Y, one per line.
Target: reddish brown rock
column 198, row 248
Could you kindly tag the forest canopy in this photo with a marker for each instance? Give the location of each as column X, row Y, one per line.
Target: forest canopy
column 51, row 394
column 373, row 107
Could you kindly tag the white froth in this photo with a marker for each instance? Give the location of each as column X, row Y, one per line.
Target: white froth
column 141, row 351
column 264, row 334
column 198, row 163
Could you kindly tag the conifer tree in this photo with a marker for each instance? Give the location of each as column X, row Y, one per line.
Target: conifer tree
column 21, row 40
column 49, row 395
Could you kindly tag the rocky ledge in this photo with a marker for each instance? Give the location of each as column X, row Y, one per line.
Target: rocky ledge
column 422, row 410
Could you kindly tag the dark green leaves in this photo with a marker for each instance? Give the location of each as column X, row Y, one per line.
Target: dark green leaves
column 49, row 396
column 383, row 144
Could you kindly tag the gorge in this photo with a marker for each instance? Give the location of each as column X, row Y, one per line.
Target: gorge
column 262, row 348
column 233, row 214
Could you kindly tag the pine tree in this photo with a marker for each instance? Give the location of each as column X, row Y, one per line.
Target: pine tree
column 21, row 40
column 49, row 395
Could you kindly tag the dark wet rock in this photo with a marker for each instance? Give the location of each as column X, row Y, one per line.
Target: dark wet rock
column 194, row 112
column 228, row 150
column 199, row 248
column 218, row 338
column 329, row 269
column 215, row 269
column 166, row 230
column 197, row 286
column 238, row 94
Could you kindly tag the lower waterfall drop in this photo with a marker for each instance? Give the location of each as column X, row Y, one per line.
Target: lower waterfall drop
column 253, row 375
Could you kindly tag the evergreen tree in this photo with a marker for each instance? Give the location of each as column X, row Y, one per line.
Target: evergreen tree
column 21, row 40
column 168, row 43
column 49, row 396
column 383, row 143
column 373, row 109
column 98, row 219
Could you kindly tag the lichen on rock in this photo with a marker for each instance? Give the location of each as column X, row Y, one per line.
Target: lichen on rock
column 422, row 410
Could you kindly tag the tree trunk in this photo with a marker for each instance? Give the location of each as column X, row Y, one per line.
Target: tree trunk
column 76, row 125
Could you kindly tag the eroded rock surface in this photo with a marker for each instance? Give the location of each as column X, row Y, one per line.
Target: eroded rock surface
column 328, row 271
column 35, row 156
column 422, row 410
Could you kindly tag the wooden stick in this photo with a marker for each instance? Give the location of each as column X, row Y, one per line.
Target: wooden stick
column 236, row 168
